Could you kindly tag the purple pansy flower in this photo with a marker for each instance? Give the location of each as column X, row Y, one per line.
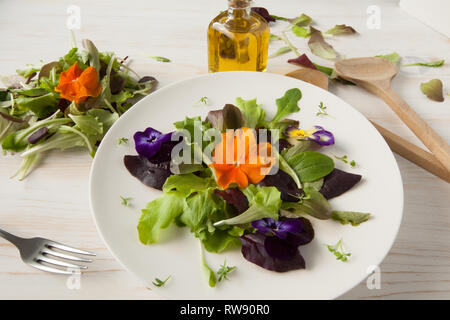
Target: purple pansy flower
column 278, row 228
column 316, row 133
column 149, row 142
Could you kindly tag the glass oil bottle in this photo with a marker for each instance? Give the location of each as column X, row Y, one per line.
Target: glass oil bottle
column 238, row 39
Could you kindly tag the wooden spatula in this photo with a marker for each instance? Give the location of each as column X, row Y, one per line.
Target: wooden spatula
column 397, row 144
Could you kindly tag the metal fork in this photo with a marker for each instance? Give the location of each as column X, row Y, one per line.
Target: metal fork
column 40, row 254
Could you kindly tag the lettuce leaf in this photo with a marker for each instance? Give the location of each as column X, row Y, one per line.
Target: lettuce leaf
column 254, row 115
column 433, row 90
column 264, row 202
column 313, row 204
column 352, row 217
column 186, row 184
column 159, row 214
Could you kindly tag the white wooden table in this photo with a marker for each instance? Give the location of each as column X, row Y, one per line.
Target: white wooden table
column 53, row 201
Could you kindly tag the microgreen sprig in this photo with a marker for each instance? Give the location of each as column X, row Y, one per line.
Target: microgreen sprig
column 203, row 100
column 338, row 251
column 125, row 201
column 224, row 270
column 159, row 283
column 322, row 110
column 122, row 140
column 345, row 159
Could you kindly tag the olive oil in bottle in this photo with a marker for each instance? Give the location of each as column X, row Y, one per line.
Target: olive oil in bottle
column 238, row 39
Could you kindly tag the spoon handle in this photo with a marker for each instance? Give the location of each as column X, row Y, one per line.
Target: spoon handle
column 413, row 153
column 421, row 129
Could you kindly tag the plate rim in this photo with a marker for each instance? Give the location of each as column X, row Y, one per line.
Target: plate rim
column 218, row 74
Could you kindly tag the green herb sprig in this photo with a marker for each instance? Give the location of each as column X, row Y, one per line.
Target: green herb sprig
column 322, row 110
column 338, row 251
column 345, row 159
column 125, row 201
column 159, row 283
column 122, row 140
column 224, row 271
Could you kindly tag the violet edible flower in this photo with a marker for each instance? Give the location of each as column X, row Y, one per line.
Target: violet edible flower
column 317, row 134
column 278, row 228
column 149, row 142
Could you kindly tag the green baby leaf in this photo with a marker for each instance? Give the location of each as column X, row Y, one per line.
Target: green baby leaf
column 320, row 47
column 392, row 57
column 433, row 89
column 287, row 104
column 433, row 64
column 311, row 166
column 341, row 29
column 352, row 217
column 280, row 51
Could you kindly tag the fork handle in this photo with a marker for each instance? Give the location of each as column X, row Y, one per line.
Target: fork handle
column 10, row 237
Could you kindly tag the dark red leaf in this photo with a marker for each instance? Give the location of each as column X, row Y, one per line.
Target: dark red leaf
column 38, row 135
column 303, row 61
column 253, row 250
column 338, row 182
column 263, row 13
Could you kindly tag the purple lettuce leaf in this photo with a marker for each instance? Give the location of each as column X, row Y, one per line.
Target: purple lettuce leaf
column 254, row 250
column 235, row 197
column 303, row 61
column 152, row 174
column 338, row 182
column 38, row 135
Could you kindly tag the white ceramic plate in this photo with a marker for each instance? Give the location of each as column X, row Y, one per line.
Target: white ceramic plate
column 178, row 254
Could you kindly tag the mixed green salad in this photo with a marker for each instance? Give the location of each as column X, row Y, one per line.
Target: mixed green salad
column 70, row 102
column 237, row 179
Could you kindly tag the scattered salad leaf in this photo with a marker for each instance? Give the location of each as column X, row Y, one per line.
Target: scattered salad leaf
column 224, row 270
column 433, row 64
column 393, row 57
column 322, row 110
column 341, row 29
column 338, row 251
column 263, row 13
column 159, row 283
column 338, row 182
column 301, row 21
column 125, row 201
column 122, row 140
column 320, row 47
column 352, row 217
column 279, row 52
column 300, row 31
column 160, row 59
column 433, row 90
column 303, row 61
column 273, row 37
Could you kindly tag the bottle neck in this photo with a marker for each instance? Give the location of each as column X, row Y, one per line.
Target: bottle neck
column 239, row 8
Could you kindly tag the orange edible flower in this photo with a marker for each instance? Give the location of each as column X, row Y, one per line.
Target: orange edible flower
column 240, row 160
column 76, row 84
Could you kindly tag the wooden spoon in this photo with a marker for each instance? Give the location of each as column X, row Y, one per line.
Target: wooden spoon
column 375, row 75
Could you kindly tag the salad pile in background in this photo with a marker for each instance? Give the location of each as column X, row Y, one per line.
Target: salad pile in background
column 71, row 102
column 260, row 205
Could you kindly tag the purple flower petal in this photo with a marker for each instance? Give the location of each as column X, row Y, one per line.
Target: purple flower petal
column 322, row 136
column 281, row 228
column 290, row 225
column 149, row 142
